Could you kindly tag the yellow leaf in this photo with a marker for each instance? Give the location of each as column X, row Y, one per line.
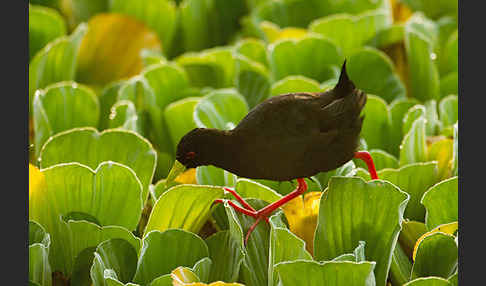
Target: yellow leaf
column 37, row 188
column 274, row 33
column 183, row 276
column 447, row 228
column 188, row 177
column 441, row 151
column 401, row 12
column 111, row 49
column 302, row 217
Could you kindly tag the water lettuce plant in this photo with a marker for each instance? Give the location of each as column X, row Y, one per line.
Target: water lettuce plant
column 114, row 85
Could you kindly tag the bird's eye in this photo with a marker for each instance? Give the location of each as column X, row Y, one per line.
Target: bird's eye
column 190, row 155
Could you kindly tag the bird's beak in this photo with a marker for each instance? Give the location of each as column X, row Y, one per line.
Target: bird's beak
column 176, row 170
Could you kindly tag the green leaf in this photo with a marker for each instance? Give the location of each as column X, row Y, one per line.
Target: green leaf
column 284, row 246
column 63, row 106
column 381, row 159
column 448, row 110
column 108, row 98
column 436, row 256
column 255, row 264
column 441, row 203
column 297, row 13
column 121, row 146
column 184, row 207
column 210, row 175
column 318, row 57
column 124, row 116
column 373, row 208
column 383, row 81
column 428, row 281
column 432, row 125
column 307, row 272
column 250, row 189
column 455, row 153
column 226, row 255
column 431, row 9
column 111, row 49
column 414, row 147
column 398, row 108
column 73, row 238
column 376, row 123
column 346, row 170
column 253, row 49
column 149, row 13
column 220, row 109
column 449, row 84
column 454, row 279
column 45, row 25
column 202, row 269
column 350, row 6
column 295, row 83
column 39, row 243
column 351, row 32
column 252, row 80
column 164, row 251
column 424, row 76
column 198, row 20
column 179, row 118
column 81, row 268
column 78, row 11
column 411, row 232
column 388, row 36
column 413, row 114
column 407, row 180
column 401, row 267
column 116, row 255
column 55, row 62
column 442, row 152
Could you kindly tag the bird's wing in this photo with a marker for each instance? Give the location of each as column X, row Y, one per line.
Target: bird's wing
column 285, row 115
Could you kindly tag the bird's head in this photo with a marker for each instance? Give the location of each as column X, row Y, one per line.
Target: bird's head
column 191, row 147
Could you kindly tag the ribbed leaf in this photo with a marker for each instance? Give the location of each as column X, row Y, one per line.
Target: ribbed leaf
column 441, row 203
column 115, row 255
column 226, row 255
column 436, row 256
column 90, row 147
column 55, row 62
column 252, row 80
column 164, row 251
column 407, row 180
column 45, row 25
column 448, row 110
column 351, row 32
column 424, row 77
column 352, row 210
column 414, row 147
column 318, row 58
column 284, row 246
column 428, row 281
column 220, row 109
column 398, row 108
column 184, row 207
column 328, row 273
column 63, row 106
column 149, row 13
column 295, row 83
column 377, row 122
column 39, row 243
column 179, row 118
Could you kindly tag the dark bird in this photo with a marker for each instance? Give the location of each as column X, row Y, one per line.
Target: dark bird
column 290, row 136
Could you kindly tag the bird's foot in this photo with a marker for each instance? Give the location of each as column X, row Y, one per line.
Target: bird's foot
column 265, row 212
column 366, row 157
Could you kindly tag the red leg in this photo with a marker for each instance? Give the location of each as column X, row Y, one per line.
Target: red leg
column 250, row 230
column 366, row 157
column 266, row 211
column 240, row 199
column 237, row 208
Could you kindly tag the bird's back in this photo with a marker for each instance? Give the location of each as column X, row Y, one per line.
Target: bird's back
column 300, row 134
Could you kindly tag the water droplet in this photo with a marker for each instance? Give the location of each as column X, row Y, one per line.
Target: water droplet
column 433, row 56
